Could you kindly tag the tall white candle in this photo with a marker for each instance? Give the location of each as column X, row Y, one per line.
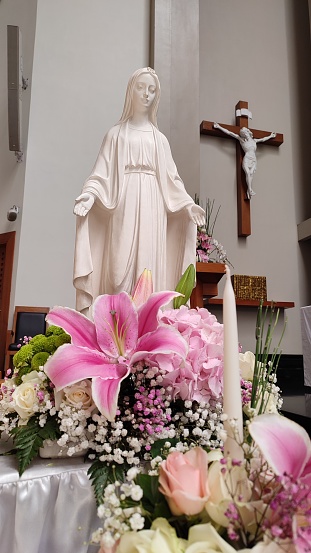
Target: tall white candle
column 232, row 402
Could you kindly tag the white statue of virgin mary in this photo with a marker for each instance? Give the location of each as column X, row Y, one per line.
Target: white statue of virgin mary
column 134, row 212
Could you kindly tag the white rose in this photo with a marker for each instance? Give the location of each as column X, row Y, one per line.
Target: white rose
column 235, row 478
column 25, row 395
column 160, row 538
column 247, row 364
column 267, row 546
column 79, row 395
column 203, row 538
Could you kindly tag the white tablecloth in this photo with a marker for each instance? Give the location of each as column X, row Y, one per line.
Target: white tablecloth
column 49, row 509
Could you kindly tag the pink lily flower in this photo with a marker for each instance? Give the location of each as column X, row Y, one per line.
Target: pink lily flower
column 286, row 446
column 143, row 288
column 106, row 349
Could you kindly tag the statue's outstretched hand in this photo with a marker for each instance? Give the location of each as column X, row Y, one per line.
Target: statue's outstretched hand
column 83, row 204
column 196, row 214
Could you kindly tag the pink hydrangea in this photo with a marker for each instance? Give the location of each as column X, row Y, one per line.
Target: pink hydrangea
column 200, row 376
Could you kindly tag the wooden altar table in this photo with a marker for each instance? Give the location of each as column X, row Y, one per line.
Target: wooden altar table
column 207, row 277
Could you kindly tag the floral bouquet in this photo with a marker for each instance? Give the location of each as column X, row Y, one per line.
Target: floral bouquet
column 116, row 385
column 201, row 502
column 140, row 387
column 208, row 249
column 192, row 498
column 32, row 412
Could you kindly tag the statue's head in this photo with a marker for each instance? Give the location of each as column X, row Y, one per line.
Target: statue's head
column 246, row 133
column 128, row 103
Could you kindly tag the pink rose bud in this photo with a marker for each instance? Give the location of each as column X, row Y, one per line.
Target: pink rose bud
column 183, row 481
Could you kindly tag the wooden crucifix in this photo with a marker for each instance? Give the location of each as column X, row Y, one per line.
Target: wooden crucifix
column 245, row 157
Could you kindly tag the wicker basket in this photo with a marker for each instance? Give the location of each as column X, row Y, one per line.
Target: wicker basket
column 250, row 287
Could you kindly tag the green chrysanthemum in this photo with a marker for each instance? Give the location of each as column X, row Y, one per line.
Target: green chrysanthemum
column 39, row 360
column 54, row 330
column 62, row 339
column 50, row 344
column 23, row 370
column 23, row 356
column 38, row 343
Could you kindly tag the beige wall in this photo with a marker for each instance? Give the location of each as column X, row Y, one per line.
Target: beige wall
column 12, row 174
column 84, row 54
column 260, row 52
column 249, row 50
column 175, row 57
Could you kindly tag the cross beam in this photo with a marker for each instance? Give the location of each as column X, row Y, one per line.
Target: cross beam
column 243, row 202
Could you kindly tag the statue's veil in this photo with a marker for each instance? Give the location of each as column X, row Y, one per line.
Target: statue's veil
column 128, row 103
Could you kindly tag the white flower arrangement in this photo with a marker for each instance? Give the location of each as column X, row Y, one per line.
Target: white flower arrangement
column 208, row 249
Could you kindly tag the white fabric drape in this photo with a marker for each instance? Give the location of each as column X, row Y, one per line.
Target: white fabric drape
column 49, row 509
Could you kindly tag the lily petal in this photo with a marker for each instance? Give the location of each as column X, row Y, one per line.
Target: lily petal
column 148, row 312
column 80, row 328
column 284, row 443
column 301, row 533
column 70, row 364
column 163, row 340
column 143, row 288
column 115, row 319
column 105, row 393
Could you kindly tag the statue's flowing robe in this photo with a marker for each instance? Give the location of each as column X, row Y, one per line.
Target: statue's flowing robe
column 138, row 219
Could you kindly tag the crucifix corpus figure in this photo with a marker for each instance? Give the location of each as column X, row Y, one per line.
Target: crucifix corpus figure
column 246, row 145
column 249, row 146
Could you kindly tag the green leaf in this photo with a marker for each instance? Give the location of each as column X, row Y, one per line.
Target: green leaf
column 158, row 446
column 266, row 364
column 101, row 474
column 29, row 438
column 153, row 502
column 185, row 287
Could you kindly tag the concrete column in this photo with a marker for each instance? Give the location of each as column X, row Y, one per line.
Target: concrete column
column 175, row 58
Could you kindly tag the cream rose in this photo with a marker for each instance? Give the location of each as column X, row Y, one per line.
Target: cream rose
column 235, row 479
column 78, row 395
column 25, row 395
column 161, row 538
column 183, row 481
column 247, row 365
column 203, row 538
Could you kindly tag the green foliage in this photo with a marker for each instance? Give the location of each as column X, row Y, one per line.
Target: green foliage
column 21, row 372
column 266, row 364
column 30, row 437
column 101, row 474
column 158, row 447
column 210, row 219
column 185, row 287
column 153, row 502
column 33, row 355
